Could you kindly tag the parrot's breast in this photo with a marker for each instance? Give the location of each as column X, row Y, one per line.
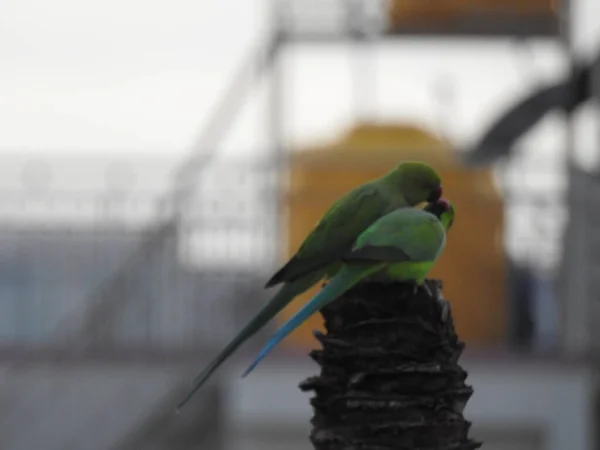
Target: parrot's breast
column 408, row 271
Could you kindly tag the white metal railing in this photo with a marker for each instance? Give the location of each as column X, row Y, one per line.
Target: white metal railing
column 183, row 292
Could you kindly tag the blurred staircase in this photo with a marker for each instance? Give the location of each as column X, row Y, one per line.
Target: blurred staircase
column 124, row 354
column 110, row 298
column 123, row 297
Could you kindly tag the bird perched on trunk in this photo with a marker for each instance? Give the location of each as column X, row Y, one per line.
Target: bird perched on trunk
column 408, row 184
column 401, row 246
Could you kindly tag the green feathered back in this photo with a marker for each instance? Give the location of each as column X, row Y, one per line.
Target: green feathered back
column 407, row 185
column 417, row 234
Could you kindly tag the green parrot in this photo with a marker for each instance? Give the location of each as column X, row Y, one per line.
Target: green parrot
column 408, row 184
column 401, row 246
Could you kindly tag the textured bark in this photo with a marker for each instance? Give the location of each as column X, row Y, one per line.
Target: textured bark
column 390, row 377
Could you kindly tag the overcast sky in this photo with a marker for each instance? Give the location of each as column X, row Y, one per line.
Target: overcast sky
column 140, row 76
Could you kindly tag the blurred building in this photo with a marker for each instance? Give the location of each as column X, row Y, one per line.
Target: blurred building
column 116, row 289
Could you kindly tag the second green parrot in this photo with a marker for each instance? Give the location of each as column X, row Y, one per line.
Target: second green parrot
column 401, row 246
column 408, row 184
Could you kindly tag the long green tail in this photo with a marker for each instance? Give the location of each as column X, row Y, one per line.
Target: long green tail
column 285, row 295
column 342, row 282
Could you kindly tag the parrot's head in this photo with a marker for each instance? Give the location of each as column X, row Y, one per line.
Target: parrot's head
column 443, row 210
column 418, row 182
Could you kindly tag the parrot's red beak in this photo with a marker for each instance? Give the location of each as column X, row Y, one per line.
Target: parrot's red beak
column 445, row 203
column 435, row 195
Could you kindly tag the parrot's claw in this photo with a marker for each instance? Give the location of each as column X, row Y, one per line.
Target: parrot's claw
column 427, row 290
column 445, row 310
column 444, row 305
column 318, row 334
column 424, row 286
column 415, row 288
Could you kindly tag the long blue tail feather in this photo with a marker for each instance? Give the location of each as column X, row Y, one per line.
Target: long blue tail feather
column 342, row 282
column 283, row 297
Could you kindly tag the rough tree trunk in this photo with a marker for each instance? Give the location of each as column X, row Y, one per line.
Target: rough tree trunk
column 389, row 373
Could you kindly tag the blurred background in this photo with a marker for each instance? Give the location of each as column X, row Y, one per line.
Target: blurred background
column 158, row 160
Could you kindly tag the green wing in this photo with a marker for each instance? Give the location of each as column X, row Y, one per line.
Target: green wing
column 407, row 234
column 336, row 232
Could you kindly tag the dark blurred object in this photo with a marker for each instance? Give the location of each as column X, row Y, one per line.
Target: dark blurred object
column 499, row 139
column 390, row 376
column 479, row 17
column 532, row 308
column 520, row 314
column 545, row 311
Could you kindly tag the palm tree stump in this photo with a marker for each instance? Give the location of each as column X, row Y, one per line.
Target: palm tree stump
column 390, row 377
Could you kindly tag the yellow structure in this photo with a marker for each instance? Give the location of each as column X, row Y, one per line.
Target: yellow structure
column 419, row 12
column 472, row 266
